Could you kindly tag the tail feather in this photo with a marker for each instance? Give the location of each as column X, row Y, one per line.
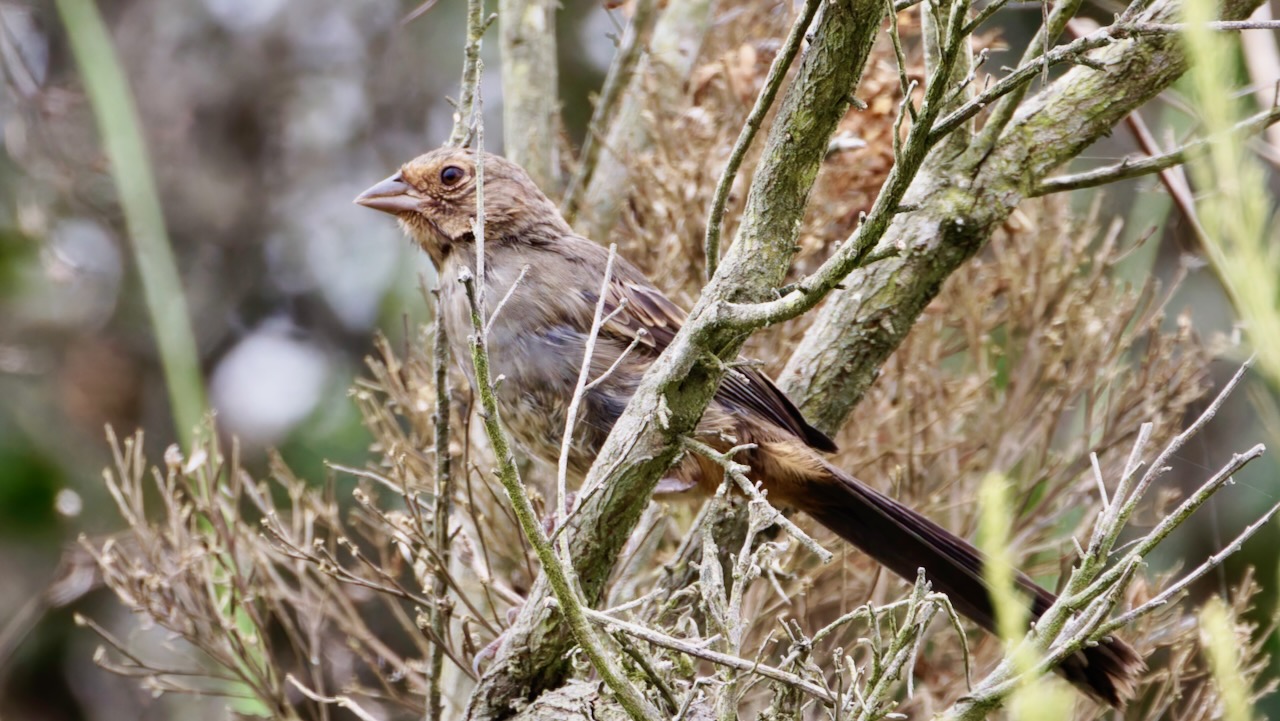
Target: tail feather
column 904, row 541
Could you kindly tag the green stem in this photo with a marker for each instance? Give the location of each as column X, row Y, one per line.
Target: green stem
column 120, row 128
column 476, row 25
column 443, row 511
column 560, row 576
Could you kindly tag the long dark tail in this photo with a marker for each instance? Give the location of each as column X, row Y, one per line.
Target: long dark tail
column 905, row 541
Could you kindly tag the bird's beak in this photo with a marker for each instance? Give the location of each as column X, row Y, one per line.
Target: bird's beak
column 392, row 195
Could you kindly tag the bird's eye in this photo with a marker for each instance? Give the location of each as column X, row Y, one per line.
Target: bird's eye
column 451, row 175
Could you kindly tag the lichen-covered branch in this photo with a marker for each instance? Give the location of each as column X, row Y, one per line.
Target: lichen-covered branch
column 673, row 394
column 1135, row 168
column 956, row 206
column 558, row 575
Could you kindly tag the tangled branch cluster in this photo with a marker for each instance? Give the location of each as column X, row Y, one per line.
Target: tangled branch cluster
column 389, row 590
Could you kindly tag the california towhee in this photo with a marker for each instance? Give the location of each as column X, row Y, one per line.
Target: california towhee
column 538, row 341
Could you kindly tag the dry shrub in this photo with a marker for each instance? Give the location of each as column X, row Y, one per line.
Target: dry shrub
column 1031, row 358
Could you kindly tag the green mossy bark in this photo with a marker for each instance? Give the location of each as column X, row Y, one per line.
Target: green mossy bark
column 675, row 391
column 959, row 204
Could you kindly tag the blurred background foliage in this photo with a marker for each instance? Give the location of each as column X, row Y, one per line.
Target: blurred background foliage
column 263, row 119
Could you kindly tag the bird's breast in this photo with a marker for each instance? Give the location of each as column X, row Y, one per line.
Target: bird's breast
column 536, row 350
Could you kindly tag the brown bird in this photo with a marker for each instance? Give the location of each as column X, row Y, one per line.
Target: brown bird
column 539, row 339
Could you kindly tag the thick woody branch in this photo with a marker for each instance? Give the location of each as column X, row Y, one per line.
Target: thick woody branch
column 558, row 575
column 956, row 207
column 678, row 386
column 530, row 92
column 797, row 143
column 857, row 251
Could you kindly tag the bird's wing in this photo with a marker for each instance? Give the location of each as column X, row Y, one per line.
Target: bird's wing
column 640, row 313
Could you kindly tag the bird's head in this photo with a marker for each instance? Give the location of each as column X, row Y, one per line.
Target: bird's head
column 434, row 196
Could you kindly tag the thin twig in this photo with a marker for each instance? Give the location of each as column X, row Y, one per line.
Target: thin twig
column 984, row 15
column 119, row 127
column 904, row 84
column 658, row 638
column 737, row 472
column 575, row 403
column 678, row 31
column 444, row 510
column 418, row 12
column 477, row 224
column 1035, row 56
column 488, row 327
column 1023, row 74
column 619, row 76
column 621, row 356
column 882, row 681
column 1128, row 504
column 559, row 576
column 772, row 83
column 476, row 25
column 1183, row 583
column 1131, row 168
column 1168, row 524
column 857, row 249
column 339, row 701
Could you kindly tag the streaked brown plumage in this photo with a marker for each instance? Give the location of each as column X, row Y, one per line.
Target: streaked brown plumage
column 538, row 341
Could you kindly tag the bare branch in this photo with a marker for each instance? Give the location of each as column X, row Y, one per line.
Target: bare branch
column 773, row 82
column 477, row 24
column 575, row 402
column 439, row 618
column 619, row 77
column 697, row 651
column 1219, row 26
column 737, row 472
column 1131, row 168
column 1196, row 574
